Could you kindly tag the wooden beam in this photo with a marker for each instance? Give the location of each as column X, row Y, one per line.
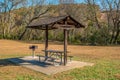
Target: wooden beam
column 46, row 41
column 65, row 46
column 64, row 26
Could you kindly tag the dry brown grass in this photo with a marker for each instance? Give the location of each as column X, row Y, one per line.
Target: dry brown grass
column 8, row 47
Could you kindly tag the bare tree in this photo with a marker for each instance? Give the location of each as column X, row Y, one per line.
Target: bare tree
column 36, row 10
column 92, row 10
column 112, row 10
column 17, row 13
column 6, row 15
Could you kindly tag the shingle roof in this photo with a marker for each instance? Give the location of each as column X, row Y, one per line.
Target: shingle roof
column 51, row 22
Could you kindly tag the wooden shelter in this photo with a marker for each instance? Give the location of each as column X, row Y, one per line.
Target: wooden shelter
column 61, row 22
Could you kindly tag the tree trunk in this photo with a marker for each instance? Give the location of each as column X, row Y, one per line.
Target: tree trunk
column 117, row 32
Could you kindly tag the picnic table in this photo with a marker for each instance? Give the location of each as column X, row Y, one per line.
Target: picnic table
column 54, row 56
column 54, row 53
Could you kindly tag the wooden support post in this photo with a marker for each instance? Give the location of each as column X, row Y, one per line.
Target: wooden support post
column 46, row 41
column 65, row 46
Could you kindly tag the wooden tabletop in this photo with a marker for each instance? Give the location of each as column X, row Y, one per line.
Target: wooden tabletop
column 54, row 51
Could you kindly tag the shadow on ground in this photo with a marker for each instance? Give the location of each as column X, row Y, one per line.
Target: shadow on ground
column 6, row 62
column 21, row 61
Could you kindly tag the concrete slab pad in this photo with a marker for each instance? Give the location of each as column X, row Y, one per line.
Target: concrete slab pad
column 47, row 67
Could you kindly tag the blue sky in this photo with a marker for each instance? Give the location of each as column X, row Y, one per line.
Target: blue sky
column 57, row 1
column 77, row 1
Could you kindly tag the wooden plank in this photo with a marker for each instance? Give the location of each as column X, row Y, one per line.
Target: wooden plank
column 63, row 26
column 55, row 51
column 65, row 46
column 46, row 41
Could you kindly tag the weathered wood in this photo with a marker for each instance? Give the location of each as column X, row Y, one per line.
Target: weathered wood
column 41, row 22
column 54, row 53
column 46, row 41
column 62, row 26
column 65, row 46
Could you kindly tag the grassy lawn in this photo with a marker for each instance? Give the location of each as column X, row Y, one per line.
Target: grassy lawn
column 106, row 59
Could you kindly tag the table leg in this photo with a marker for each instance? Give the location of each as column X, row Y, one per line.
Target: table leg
column 46, row 56
column 61, row 58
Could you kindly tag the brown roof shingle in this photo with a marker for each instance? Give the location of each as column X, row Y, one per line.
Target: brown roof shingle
column 51, row 22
